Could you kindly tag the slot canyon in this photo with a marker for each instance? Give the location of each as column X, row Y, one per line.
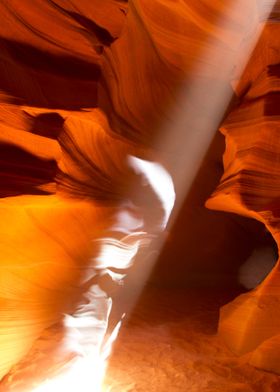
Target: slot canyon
column 139, row 195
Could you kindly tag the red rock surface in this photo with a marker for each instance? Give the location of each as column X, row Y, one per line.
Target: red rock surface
column 84, row 85
column 249, row 187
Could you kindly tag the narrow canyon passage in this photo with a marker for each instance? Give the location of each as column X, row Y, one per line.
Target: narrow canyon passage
column 139, row 187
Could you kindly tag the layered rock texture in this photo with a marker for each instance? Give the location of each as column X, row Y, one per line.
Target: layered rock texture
column 99, row 102
column 250, row 187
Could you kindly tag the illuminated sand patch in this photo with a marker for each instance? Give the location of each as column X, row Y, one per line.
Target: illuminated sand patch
column 170, row 344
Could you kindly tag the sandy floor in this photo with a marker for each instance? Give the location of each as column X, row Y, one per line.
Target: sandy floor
column 170, row 344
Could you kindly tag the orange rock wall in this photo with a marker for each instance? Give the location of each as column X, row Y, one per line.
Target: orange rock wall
column 250, row 187
column 83, row 85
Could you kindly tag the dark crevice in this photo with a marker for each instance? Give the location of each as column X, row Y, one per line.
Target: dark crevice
column 47, row 124
column 34, row 58
column 21, row 172
column 101, row 34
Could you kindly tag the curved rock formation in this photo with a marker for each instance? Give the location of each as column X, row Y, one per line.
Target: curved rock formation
column 250, row 187
column 87, row 89
column 72, row 219
column 165, row 46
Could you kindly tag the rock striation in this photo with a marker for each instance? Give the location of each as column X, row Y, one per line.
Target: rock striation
column 87, row 90
column 250, row 187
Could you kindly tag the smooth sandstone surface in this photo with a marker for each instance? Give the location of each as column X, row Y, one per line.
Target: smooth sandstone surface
column 249, row 187
column 83, row 86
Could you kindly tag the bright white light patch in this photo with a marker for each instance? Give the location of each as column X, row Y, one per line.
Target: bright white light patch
column 159, row 181
column 85, row 375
